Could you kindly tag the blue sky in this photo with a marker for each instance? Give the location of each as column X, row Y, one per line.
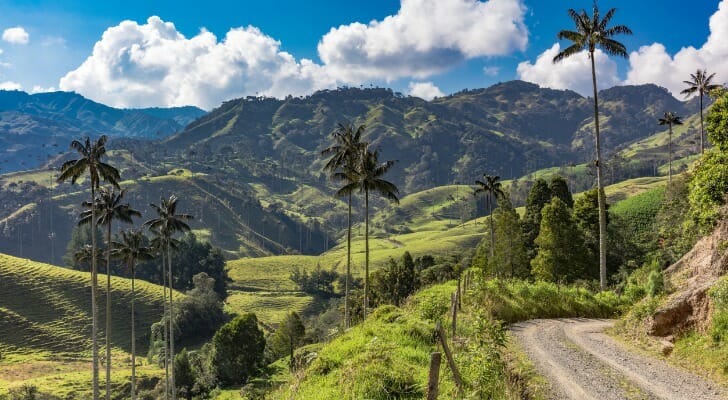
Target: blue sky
column 174, row 53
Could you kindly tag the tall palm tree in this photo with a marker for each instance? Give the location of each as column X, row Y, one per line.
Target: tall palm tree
column 592, row 32
column 167, row 223
column 367, row 177
column 701, row 83
column 344, row 158
column 90, row 161
column 493, row 190
column 130, row 250
column 670, row 119
column 108, row 207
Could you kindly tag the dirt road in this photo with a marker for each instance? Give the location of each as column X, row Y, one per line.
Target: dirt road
column 582, row 363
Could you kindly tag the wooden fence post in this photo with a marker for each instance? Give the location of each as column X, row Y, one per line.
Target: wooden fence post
column 448, row 355
column 433, row 378
column 454, row 311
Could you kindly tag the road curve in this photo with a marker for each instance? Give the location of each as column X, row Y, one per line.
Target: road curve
column 582, row 363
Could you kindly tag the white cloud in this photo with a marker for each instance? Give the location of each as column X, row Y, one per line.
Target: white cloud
column 10, row 85
column 425, row 90
column 652, row 64
column 41, row 89
column 424, row 38
column 491, row 71
column 571, row 73
column 153, row 64
column 16, row 35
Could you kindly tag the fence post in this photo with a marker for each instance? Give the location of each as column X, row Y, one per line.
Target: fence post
column 448, row 355
column 454, row 311
column 433, row 378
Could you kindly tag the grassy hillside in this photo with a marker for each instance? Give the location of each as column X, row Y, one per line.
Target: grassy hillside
column 45, row 327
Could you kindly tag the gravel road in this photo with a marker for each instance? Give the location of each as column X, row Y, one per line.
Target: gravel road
column 582, row 363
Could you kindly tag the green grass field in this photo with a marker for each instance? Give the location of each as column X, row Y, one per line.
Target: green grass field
column 45, row 326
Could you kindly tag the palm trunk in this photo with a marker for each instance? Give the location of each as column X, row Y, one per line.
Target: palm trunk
column 166, row 326
column 94, row 311
column 702, row 148
column 171, row 327
column 669, row 155
column 108, row 310
column 348, row 268
column 366, row 252
column 600, row 188
column 133, row 336
column 492, row 235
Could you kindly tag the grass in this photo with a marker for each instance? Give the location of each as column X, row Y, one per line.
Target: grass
column 639, row 212
column 269, row 307
column 45, row 324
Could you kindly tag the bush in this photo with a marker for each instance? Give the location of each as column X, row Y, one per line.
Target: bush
column 237, row 349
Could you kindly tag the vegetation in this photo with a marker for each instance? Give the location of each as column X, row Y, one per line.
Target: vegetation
column 590, row 33
column 237, row 349
column 671, row 119
column 701, row 83
column 492, row 188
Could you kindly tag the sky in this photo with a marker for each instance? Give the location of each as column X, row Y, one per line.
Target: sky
column 140, row 53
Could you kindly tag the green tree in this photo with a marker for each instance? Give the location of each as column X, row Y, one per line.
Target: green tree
column 670, row 119
column 562, row 255
column 342, row 165
column 510, row 250
column 131, row 249
column 718, row 121
column 538, row 196
column 238, row 348
column 90, row 161
column 289, row 336
column 108, row 207
column 559, row 187
column 701, row 83
column 184, row 374
column 592, row 32
column 393, row 283
column 493, row 190
column 367, row 178
column 167, row 223
column 80, row 238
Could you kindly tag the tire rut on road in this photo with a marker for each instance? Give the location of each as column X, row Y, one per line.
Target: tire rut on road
column 582, row 363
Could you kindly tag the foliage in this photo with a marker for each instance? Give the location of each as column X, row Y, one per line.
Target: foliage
column 639, row 216
column 677, row 232
column 237, row 349
column 562, row 255
column 560, row 188
column 708, row 188
column 184, row 376
column 509, row 258
column 289, row 336
column 319, row 281
column 80, row 237
column 538, row 196
column 393, row 283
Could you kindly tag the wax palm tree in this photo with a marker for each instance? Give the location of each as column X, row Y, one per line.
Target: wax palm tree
column 592, row 32
column 493, row 190
column 344, row 158
column 108, row 207
column 700, row 82
column 367, row 177
column 670, row 119
column 167, row 223
column 132, row 249
column 90, row 161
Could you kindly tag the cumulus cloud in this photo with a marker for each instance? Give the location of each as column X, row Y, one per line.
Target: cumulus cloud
column 153, row 64
column 652, row 64
column 424, row 38
column 41, row 89
column 16, row 35
column 425, row 90
column 572, row 73
column 10, row 85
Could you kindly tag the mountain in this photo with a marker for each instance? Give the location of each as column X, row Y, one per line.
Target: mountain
column 250, row 170
column 36, row 127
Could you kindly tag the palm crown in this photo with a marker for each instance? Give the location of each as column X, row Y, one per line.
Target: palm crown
column 592, row 32
column 90, row 160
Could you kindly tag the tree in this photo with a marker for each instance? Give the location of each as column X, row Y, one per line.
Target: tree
column 167, row 223
column 493, row 190
column 701, row 83
column 538, row 196
column 90, row 160
column 345, row 159
column 108, row 207
column 562, row 255
column 560, row 188
column 80, row 238
column 367, row 178
column 718, row 121
column 590, row 33
column 130, row 250
column 510, row 250
column 393, row 283
column 185, row 375
column 670, row 119
column 289, row 335
column 238, row 348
